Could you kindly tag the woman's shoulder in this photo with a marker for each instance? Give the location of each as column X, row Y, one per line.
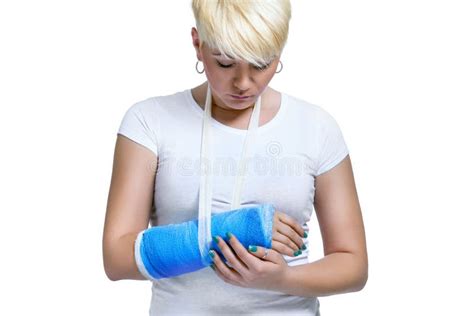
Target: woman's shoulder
column 161, row 100
column 303, row 107
column 160, row 105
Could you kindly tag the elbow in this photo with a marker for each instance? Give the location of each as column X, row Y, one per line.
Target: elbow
column 363, row 276
column 111, row 269
column 361, row 282
column 359, row 273
column 111, row 273
column 111, row 263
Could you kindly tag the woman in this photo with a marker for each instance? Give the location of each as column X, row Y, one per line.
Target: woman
column 299, row 160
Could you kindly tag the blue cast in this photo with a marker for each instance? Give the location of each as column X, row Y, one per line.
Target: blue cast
column 172, row 250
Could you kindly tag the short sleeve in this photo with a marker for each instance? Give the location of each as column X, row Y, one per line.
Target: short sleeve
column 140, row 125
column 331, row 146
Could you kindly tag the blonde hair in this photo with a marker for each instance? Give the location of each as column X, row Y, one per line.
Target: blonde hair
column 252, row 30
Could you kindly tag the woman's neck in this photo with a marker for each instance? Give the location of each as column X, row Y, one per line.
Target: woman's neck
column 239, row 118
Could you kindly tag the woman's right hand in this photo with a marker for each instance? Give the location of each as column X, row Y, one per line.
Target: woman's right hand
column 287, row 234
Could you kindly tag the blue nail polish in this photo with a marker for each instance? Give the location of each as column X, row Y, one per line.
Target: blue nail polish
column 229, row 235
column 253, row 248
column 211, row 253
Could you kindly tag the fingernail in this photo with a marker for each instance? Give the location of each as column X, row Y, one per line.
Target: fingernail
column 211, row 253
column 229, row 235
column 305, row 234
column 253, row 248
column 296, row 253
column 303, row 247
column 299, row 252
column 216, row 240
column 213, row 267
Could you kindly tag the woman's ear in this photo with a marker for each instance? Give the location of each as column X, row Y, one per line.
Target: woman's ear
column 196, row 42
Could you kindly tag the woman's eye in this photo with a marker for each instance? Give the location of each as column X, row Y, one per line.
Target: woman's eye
column 255, row 66
column 224, row 66
column 263, row 67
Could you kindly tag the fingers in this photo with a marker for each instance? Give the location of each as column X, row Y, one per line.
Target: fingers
column 236, row 255
column 256, row 254
column 265, row 254
column 226, row 273
column 285, row 234
column 287, row 231
column 284, row 249
column 288, row 220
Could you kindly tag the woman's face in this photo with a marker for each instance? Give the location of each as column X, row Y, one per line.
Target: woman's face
column 229, row 77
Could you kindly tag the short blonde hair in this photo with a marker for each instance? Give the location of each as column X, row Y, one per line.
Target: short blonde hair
column 252, row 30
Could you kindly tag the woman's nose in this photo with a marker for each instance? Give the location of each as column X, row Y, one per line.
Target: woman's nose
column 242, row 79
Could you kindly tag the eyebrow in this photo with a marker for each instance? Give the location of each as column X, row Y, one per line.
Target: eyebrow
column 219, row 54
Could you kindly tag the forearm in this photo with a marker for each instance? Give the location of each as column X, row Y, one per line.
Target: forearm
column 336, row 273
column 119, row 259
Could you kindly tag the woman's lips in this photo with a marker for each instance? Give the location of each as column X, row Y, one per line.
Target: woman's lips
column 240, row 97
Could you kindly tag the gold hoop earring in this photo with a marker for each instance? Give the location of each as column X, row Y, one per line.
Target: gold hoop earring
column 200, row 72
column 280, row 68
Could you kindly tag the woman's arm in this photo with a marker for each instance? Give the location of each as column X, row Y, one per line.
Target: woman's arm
column 344, row 267
column 128, row 207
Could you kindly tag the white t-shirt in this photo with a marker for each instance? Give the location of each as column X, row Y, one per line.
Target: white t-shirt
column 301, row 142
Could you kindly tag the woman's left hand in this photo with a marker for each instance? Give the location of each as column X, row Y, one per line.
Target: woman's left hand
column 248, row 267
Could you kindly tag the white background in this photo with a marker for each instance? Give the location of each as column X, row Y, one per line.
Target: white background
column 398, row 76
